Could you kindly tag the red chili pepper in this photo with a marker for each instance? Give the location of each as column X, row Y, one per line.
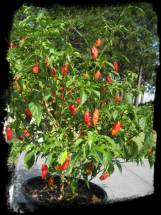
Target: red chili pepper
column 20, row 137
column 52, row 92
column 98, row 42
column 28, row 113
column 62, row 96
column 53, row 72
column 44, row 171
column 11, row 45
column 35, row 69
column 94, row 53
column 104, row 176
column 86, row 118
column 73, row 109
column 115, row 65
column 116, row 128
column 26, row 133
column 65, row 165
column 9, row 134
column 61, row 89
column 95, row 117
column 64, row 69
column 108, row 79
column 97, row 75
column 78, row 100
column 118, row 98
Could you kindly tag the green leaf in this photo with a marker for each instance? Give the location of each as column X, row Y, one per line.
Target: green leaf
column 91, row 139
column 78, row 141
column 29, row 159
column 36, row 112
column 110, row 64
column 62, row 157
column 73, row 186
column 97, row 93
column 142, row 123
column 83, row 97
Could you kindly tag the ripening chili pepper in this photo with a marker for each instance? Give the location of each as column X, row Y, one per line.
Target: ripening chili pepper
column 52, row 92
column 86, row 118
column 44, row 171
column 73, row 109
column 9, row 134
column 35, row 69
column 104, row 176
column 78, row 100
column 17, row 85
column 23, row 37
column 28, row 113
column 108, row 79
column 11, row 46
column 61, row 89
column 97, row 75
column 89, row 168
column 53, row 72
column 20, row 137
column 98, row 42
column 94, row 53
column 116, row 128
column 115, row 65
column 62, row 96
column 26, row 133
column 118, row 98
column 95, row 117
column 64, row 166
column 64, row 69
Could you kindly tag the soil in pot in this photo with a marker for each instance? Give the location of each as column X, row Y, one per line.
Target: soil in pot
column 40, row 192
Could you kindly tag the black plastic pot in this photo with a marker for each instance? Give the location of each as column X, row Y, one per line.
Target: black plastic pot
column 95, row 189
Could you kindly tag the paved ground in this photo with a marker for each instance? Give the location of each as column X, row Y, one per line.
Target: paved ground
column 134, row 181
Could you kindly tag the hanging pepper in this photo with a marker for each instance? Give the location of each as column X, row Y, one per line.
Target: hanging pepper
column 17, row 85
column 104, row 176
column 78, row 100
column 98, row 42
column 26, row 133
column 94, row 53
column 116, row 128
column 86, row 118
column 9, row 134
column 118, row 98
column 89, row 168
column 35, row 69
column 20, row 137
column 52, row 92
column 97, row 75
column 95, row 117
column 73, row 109
column 64, row 166
column 28, row 113
column 108, row 79
column 64, row 69
column 11, row 46
column 44, row 171
column 115, row 65
column 53, row 72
